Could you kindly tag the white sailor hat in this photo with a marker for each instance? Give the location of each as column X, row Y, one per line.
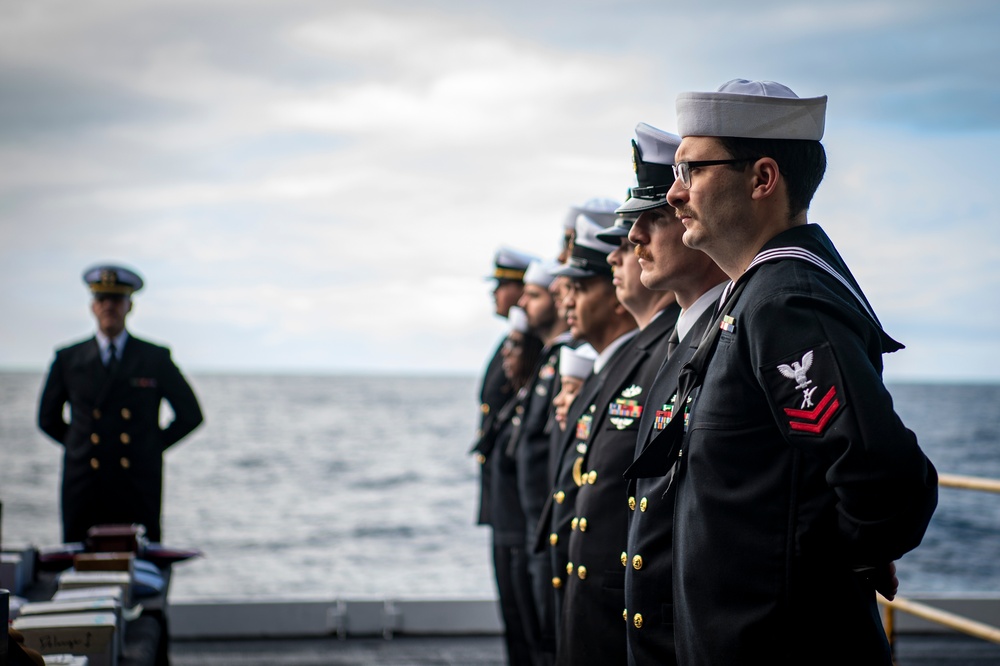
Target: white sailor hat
column 510, row 264
column 751, row 110
column 590, row 255
column 541, row 273
column 518, row 319
column 110, row 279
column 577, row 362
column 653, row 159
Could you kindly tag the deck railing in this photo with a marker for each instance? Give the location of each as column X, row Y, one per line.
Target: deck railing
column 929, row 613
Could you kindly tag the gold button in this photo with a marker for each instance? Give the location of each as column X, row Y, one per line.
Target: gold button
column 637, row 620
column 592, row 477
column 94, row 463
column 484, row 408
column 559, row 497
column 624, row 559
column 97, row 413
column 574, row 523
column 553, row 539
column 480, row 458
column 642, row 504
column 126, row 413
column 583, row 524
column 125, row 463
column 519, row 409
column 569, row 567
column 557, row 582
column 631, row 503
column 625, row 614
column 95, row 438
column 581, row 571
column 637, row 562
column 125, row 438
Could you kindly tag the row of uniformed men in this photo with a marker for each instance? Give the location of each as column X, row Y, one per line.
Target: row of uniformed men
column 584, row 518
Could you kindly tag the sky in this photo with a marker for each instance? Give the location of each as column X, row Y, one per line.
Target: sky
column 317, row 186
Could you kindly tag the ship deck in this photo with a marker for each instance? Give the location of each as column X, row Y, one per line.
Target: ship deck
column 911, row 650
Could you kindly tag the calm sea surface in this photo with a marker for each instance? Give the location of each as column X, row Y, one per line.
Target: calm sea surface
column 325, row 487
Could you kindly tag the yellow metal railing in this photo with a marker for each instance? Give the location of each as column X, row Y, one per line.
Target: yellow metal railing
column 929, row 613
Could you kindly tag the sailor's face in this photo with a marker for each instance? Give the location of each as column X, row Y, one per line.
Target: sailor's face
column 564, row 399
column 628, row 286
column 505, row 295
column 590, row 306
column 558, row 289
column 658, row 235
column 511, row 353
column 714, row 208
column 539, row 306
column 110, row 311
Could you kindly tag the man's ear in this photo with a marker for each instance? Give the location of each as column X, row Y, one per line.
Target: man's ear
column 766, row 176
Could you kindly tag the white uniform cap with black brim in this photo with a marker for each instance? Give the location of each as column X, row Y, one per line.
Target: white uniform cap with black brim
column 653, row 159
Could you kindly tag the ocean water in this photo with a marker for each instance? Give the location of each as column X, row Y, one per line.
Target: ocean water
column 318, row 487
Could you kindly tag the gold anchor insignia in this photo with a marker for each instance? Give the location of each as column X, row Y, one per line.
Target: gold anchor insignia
column 577, row 473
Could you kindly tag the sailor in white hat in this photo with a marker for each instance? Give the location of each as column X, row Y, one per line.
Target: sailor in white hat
column 837, row 487
column 113, row 443
column 575, row 365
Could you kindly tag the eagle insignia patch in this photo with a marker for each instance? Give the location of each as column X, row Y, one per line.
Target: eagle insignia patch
column 807, row 389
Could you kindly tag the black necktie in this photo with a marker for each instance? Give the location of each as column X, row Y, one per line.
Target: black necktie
column 112, row 358
column 673, row 341
column 663, row 450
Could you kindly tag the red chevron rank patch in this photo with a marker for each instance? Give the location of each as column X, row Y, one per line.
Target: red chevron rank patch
column 814, row 420
column 806, row 389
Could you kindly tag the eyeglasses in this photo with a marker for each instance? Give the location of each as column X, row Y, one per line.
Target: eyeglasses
column 682, row 170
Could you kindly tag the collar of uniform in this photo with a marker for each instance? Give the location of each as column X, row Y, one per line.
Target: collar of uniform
column 808, row 242
column 688, row 317
column 609, row 351
column 103, row 341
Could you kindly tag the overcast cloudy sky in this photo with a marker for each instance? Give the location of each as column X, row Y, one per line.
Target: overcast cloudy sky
column 319, row 186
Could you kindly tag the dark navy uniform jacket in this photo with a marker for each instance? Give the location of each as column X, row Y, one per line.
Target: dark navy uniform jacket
column 592, row 629
column 533, row 447
column 113, row 460
column 796, row 475
column 494, row 392
column 554, row 525
column 648, row 609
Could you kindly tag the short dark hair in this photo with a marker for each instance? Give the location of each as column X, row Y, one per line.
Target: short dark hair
column 802, row 162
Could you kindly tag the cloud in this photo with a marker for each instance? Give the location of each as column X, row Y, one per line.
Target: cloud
column 321, row 185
